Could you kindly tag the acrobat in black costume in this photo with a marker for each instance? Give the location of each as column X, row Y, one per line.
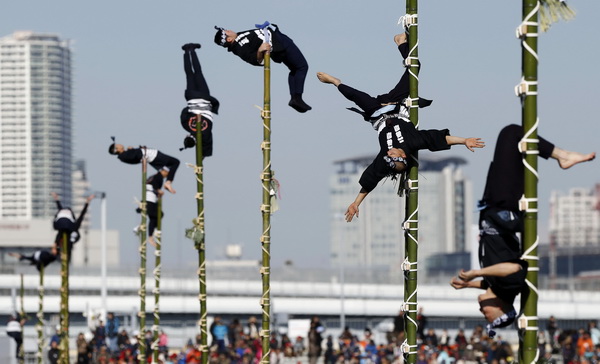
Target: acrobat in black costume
column 200, row 104
column 249, row 45
column 500, row 220
column 156, row 159
column 398, row 138
column 40, row 258
column 500, row 217
column 153, row 193
column 65, row 222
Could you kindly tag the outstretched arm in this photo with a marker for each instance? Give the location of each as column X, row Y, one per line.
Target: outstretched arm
column 496, row 270
column 57, row 200
column 470, row 143
column 82, row 214
column 353, row 208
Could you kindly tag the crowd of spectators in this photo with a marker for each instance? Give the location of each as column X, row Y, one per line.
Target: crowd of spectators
column 239, row 342
column 110, row 344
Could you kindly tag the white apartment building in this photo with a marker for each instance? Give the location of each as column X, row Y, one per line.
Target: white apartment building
column 35, row 124
column 575, row 218
column 36, row 150
column 376, row 238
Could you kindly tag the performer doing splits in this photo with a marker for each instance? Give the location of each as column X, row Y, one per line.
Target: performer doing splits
column 250, row 46
column 200, row 104
column 65, row 222
column 374, row 107
column 155, row 158
column 397, row 135
column 153, row 193
column 40, row 258
column 500, row 219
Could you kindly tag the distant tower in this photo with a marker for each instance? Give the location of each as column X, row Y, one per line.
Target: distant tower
column 574, row 218
column 35, row 124
column 375, row 240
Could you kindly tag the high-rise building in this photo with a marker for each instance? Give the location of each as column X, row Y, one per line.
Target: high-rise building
column 35, row 124
column 574, row 218
column 376, row 239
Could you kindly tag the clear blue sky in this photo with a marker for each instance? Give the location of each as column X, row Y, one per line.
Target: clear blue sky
column 129, row 82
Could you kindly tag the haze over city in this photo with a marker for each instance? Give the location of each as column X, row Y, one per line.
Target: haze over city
column 129, row 83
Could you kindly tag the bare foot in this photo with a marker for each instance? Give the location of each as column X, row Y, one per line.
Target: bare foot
column 567, row 159
column 169, row 188
column 16, row 255
column 400, row 38
column 325, row 78
column 151, row 241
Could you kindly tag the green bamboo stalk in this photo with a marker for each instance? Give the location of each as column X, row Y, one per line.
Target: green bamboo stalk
column 412, row 196
column 64, row 300
column 40, row 318
column 199, row 240
column 528, row 345
column 157, row 269
column 23, row 316
column 142, row 271
column 267, row 176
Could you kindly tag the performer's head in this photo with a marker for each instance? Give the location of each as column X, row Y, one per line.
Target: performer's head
column 224, row 37
column 399, row 167
column 396, row 160
column 188, row 142
column 116, row 149
column 164, row 171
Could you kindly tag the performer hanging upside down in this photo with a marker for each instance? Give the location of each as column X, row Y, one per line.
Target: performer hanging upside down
column 398, row 138
column 65, row 222
column 40, row 258
column 500, row 220
column 200, row 104
column 250, row 46
column 154, row 157
column 153, row 193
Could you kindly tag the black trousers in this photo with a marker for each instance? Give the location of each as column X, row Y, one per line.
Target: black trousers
column 18, row 336
column 504, row 185
column 163, row 160
column 152, row 210
column 195, row 86
column 293, row 58
column 371, row 104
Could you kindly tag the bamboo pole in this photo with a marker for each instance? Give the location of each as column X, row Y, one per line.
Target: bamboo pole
column 157, row 271
column 528, row 347
column 23, row 315
column 197, row 235
column 64, row 300
column 142, row 270
column 40, row 318
column 266, row 177
column 412, row 196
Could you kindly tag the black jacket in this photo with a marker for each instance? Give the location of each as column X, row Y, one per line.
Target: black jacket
column 400, row 134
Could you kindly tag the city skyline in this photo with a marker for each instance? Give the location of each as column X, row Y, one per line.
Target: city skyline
column 129, row 83
column 35, row 124
column 376, row 240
